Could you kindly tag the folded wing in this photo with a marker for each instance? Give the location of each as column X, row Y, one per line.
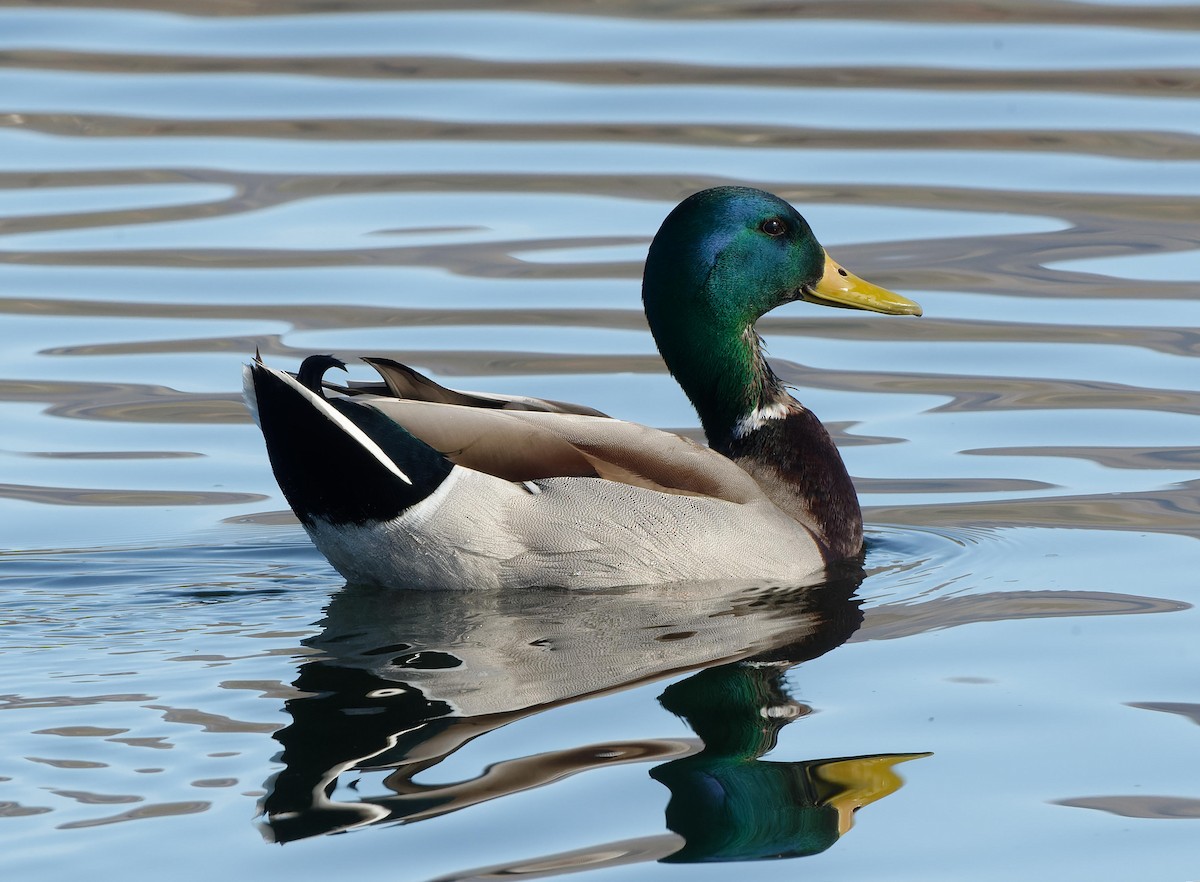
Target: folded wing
column 527, row 444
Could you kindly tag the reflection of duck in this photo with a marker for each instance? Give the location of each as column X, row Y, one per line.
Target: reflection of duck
column 402, row 682
column 415, row 484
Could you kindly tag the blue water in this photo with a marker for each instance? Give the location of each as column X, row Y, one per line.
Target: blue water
column 1005, row 690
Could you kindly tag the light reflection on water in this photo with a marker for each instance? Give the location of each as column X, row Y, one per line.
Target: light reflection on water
column 472, row 191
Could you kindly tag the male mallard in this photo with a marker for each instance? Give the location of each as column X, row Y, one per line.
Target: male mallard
column 411, row 484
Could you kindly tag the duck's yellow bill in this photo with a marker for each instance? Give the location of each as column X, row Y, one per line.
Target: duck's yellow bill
column 838, row 287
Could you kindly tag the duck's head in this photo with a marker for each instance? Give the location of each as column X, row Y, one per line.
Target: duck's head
column 721, row 260
column 735, row 253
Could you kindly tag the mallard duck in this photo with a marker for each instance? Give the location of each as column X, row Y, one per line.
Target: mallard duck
column 409, row 484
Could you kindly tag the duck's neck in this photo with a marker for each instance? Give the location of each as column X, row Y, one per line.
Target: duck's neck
column 726, row 376
column 749, row 416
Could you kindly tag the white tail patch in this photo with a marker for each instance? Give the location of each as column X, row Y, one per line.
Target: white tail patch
column 331, row 413
column 249, row 395
column 758, row 417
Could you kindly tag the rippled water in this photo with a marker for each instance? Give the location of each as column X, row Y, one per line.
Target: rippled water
column 1008, row 690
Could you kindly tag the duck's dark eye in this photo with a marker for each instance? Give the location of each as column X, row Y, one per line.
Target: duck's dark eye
column 773, row 226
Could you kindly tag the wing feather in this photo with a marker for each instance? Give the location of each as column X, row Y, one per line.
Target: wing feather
column 404, row 382
column 529, row 445
column 527, row 439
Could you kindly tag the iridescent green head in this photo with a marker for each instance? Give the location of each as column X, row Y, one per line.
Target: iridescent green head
column 721, row 260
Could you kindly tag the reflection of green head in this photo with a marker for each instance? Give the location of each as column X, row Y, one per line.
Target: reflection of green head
column 729, row 805
column 729, row 810
column 726, row 804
